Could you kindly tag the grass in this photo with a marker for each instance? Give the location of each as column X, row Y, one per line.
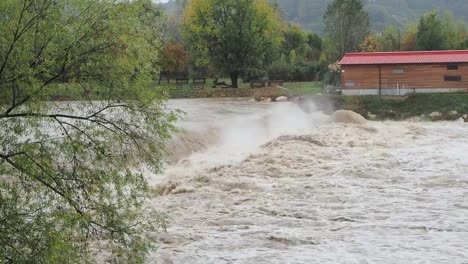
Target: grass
column 406, row 107
column 304, row 88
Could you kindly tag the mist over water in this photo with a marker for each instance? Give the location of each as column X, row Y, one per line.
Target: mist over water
column 270, row 183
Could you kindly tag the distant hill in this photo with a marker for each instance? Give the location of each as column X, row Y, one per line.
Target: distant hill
column 309, row 13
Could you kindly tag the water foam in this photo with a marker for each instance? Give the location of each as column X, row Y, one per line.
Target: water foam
column 283, row 186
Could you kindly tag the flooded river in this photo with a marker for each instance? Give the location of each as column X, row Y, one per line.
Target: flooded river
column 270, row 183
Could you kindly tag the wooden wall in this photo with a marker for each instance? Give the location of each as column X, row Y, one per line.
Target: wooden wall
column 411, row 76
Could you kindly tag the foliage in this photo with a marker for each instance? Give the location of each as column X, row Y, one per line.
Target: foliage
column 236, row 37
column 430, row 35
column 409, row 40
column 370, row 44
column 347, row 24
column 333, row 74
column 69, row 172
column 300, row 72
column 314, row 48
column 390, row 39
column 382, row 13
column 174, row 58
column 411, row 106
column 455, row 32
column 294, row 39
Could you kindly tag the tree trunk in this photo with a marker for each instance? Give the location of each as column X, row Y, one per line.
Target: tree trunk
column 234, row 77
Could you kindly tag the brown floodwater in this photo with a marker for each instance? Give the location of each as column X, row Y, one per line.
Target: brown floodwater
column 255, row 182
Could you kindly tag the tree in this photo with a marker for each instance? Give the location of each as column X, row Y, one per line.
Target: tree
column 346, row 24
column 370, row 44
column 236, row 37
column 294, row 39
column 315, row 46
column 431, row 35
column 174, row 58
column 409, row 40
column 454, row 32
column 390, row 39
column 70, row 171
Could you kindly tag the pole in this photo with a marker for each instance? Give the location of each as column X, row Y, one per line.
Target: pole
column 380, row 80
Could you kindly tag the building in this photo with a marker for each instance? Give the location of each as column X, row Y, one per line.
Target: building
column 400, row 73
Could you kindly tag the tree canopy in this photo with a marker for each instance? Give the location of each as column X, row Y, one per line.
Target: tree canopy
column 347, row 24
column 236, row 37
column 69, row 171
column 430, row 35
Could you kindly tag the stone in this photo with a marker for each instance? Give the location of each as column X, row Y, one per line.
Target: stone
column 435, row 115
column 465, row 116
column 348, row 117
column 266, row 99
column 252, row 101
column 282, row 99
column 416, row 119
column 371, row 116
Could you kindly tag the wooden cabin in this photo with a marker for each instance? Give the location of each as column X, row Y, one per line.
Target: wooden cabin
column 400, row 73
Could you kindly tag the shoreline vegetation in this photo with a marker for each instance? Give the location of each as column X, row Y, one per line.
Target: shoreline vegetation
column 429, row 107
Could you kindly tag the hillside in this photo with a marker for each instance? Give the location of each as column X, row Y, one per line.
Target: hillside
column 309, row 13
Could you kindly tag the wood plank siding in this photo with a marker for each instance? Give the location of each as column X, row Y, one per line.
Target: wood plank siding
column 408, row 76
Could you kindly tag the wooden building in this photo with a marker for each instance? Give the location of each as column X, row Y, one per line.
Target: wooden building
column 400, row 73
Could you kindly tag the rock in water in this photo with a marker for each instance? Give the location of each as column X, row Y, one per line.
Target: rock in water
column 282, row 99
column 349, row 117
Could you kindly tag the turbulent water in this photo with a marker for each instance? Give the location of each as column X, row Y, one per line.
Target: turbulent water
column 269, row 183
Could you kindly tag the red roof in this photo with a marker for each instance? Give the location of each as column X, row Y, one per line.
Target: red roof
column 408, row 57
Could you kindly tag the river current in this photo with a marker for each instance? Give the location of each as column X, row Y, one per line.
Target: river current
column 271, row 183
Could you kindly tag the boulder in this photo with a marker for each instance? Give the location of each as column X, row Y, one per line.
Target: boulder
column 348, row 117
column 435, row 116
column 371, row 116
column 252, row 101
column 282, row 99
column 415, row 119
column 266, row 99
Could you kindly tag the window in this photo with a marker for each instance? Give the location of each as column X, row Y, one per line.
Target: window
column 398, row 71
column 452, row 66
column 452, row 78
column 349, row 84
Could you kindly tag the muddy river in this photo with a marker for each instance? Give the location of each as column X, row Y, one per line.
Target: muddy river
column 270, row 183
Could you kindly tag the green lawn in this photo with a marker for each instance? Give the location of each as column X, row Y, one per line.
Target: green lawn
column 304, row 88
column 401, row 107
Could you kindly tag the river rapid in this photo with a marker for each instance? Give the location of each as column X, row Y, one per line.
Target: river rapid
column 271, row 183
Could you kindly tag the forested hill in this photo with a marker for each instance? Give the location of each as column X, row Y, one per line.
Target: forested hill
column 309, row 13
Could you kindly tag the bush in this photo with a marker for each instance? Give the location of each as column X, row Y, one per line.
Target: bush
column 296, row 72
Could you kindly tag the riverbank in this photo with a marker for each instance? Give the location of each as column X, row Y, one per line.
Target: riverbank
column 292, row 89
column 440, row 106
column 437, row 106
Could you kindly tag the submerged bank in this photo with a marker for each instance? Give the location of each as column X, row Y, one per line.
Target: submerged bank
column 443, row 106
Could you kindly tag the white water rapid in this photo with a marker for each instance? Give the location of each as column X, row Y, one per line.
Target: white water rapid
column 269, row 183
